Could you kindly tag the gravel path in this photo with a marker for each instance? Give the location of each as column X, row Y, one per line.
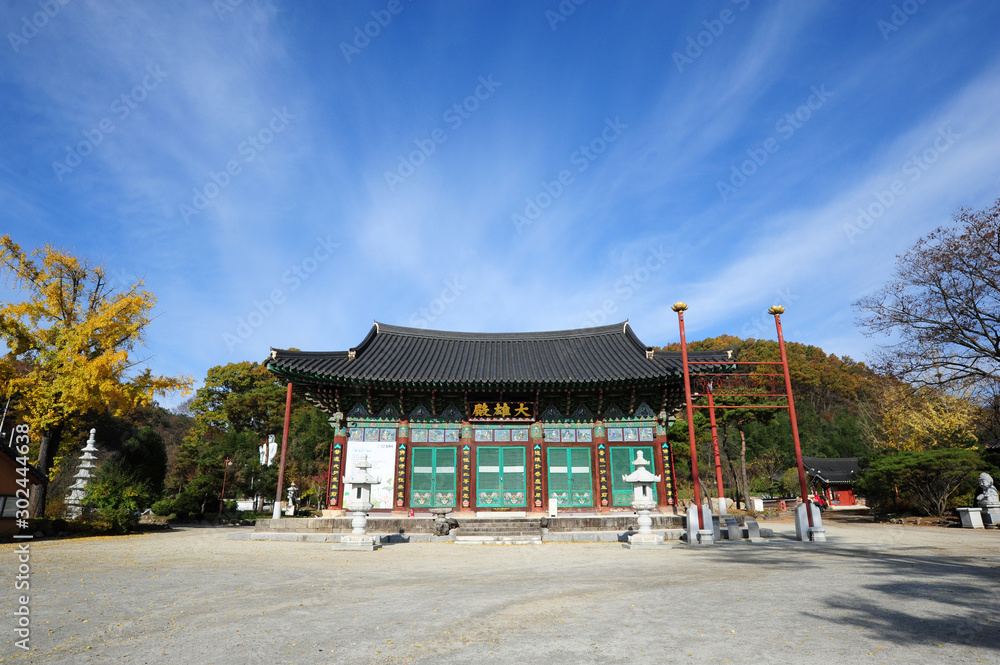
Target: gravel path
column 873, row 594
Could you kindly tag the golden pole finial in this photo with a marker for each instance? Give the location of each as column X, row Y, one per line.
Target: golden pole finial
column 679, row 306
column 776, row 309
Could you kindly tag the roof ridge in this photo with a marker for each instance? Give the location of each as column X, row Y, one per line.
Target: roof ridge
column 613, row 329
column 290, row 352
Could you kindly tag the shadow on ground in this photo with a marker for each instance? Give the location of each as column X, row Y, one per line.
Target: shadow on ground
column 958, row 597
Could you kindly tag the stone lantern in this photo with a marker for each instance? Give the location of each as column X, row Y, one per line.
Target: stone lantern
column 292, row 491
column 643, row 501
column 359, row 502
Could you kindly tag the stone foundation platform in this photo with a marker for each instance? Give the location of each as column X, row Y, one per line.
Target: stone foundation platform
column 390, row 529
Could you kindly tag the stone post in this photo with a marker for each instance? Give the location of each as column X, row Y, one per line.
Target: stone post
column 816, row 532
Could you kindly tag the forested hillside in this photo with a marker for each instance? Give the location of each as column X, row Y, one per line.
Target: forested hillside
column 844, row 409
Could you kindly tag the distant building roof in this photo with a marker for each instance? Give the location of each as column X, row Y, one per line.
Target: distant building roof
column 834, row 471
column 11, row 455
column 397, row 355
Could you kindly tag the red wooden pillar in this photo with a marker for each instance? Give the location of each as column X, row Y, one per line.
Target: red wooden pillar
column 467, row 452
column 337, row 447
column 679, row 307
column 602, row 489
column 329, row 471
column 660, row 467
column 404, row 458
column 284, row 451
column 715, row 443
column 777, row 311
column 539, row 498
column 670, row 456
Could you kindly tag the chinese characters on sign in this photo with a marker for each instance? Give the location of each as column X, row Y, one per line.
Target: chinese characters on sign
column 400, row 475
column 466, row 475
column 502, row 410
column 335, row 477
column 668, row 475
column 537, row 468
column 602, row 473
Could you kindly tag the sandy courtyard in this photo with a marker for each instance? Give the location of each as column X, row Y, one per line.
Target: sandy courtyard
column 873, row 594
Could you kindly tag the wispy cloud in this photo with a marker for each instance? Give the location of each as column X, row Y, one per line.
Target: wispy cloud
column 650, row 193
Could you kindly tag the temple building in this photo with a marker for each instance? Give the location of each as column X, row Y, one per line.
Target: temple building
column 484, row 422
column 833, row 477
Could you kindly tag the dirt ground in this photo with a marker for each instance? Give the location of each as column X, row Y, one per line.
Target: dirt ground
column 875, row 593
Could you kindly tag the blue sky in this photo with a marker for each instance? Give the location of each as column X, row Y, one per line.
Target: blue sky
column 284, row 174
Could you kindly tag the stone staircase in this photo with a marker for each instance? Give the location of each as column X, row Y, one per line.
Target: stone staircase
column 498, row 531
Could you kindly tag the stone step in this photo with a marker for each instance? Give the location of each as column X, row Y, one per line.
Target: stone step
column 498, row 540
column 499, row 527
column 499, row 530
column 498, row 522
column 496, row 534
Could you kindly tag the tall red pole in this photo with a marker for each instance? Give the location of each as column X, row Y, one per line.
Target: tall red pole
column 284, row 449
column 225, row 474
column 777, row 311
column 715, row 443
column 679, row 307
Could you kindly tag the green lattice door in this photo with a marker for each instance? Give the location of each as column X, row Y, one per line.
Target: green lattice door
column 621, row 465
column 432, row 479
column 570, row 476
column 500, row 478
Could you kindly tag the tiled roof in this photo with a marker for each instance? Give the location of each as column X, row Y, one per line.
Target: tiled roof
column 12, row 456
column 394, row 354
column 832, row 470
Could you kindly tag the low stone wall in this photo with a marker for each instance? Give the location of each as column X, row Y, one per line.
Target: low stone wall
column 404, row 525
column 343, row 525
column 611, row 523
column 740, row 519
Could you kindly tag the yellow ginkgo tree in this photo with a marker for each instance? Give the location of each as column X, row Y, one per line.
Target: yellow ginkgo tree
column 923, row 418
column 71, row 339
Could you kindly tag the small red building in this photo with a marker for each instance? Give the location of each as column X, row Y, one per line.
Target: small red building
column 833, row 477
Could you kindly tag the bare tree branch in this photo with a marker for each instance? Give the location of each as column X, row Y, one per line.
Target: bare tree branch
column 942, row 306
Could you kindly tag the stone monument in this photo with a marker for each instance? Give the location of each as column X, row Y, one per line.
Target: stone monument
column 78, row 490
column 643, row 501
column 816, row 532
column 986, row 512
column 972, row 518
column 988, row 500
column 695, row 534
column 359, row 502
column 442, row 523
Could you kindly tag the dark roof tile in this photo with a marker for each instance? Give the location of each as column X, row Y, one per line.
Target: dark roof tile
column 394, row 354
column 832, row 470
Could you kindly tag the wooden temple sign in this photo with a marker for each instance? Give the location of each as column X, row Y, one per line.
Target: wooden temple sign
column 335, row 476
column 602, row 474
column 537, row 468
column 502, row 411
column 668, row 478
column 466, row 476
column 401, row 475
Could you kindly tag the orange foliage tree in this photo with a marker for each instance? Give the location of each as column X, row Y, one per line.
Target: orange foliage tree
column 70, row 344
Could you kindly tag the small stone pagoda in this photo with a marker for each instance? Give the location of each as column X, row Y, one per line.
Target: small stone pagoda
column 78, row 490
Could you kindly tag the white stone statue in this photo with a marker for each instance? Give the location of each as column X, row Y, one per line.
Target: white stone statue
column 988, row 497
